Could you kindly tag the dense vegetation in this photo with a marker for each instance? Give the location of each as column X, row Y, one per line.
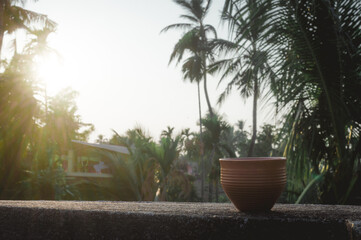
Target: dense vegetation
column 306, row 55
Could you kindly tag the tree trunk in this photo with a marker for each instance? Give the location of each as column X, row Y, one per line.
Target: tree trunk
column 254, row 132
column 205, row 84
column 201, row 142
column 2, row 27
column 204, row 64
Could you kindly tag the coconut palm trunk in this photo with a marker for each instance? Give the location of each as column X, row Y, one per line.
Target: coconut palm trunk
column 205, row 84
column 204, row 64
column 201, row 141
column 254, row 118
column 255, row 98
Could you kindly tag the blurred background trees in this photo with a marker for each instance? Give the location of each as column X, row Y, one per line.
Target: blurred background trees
column 34, row 129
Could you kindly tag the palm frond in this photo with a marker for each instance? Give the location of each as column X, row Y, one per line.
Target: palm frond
column 182, row 26
column 210, row 28
column 188, row 42
column 224, row 46
column 190, row 18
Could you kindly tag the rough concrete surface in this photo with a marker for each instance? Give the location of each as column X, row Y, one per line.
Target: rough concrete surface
column 166, row 220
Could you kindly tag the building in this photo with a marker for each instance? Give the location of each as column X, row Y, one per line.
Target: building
column 89, row 160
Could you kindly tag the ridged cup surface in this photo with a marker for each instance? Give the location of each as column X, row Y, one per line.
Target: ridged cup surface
column 253, row 184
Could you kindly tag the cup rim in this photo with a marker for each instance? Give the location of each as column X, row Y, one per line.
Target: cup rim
column 252, row 159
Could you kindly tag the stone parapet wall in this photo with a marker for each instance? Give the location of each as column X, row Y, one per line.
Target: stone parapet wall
column 165, row 220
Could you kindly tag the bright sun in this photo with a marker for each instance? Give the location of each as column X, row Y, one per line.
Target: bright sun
column 51, row 72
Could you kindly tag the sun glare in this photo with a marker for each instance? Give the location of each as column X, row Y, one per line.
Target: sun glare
column 51, row 72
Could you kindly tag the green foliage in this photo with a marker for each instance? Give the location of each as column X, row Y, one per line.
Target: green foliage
column 319, row 83
column 308, row 52
column 152, row 168
column 29, row 168
column 221, row 140
column 170, row 176
column 268, row 142
column 248, row 66
column 33, row 133
column 134, row 177
column 49, row 184
column 17, row 110
column 214, row 129
column 62, row 122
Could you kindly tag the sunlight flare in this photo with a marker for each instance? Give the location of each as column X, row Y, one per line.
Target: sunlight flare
column 51, row 72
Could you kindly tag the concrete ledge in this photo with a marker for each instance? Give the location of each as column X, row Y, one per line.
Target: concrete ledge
column 155, row 220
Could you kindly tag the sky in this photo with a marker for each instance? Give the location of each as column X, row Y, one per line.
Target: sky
column 113, row 55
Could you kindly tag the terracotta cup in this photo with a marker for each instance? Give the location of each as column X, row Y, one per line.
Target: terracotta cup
column 253, row 184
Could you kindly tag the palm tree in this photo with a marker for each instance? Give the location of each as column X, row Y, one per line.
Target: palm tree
column 192, row 70
column 38, row 45
column 215, row 134
column 248, row 67
column 314, row 47
column 241, row 139
column 318, row 59
column 166, row 155
column 63, row 124
column 13, row 17
column 194, row 41
column 190, row 147
column 134, row 177
column 167, row 133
